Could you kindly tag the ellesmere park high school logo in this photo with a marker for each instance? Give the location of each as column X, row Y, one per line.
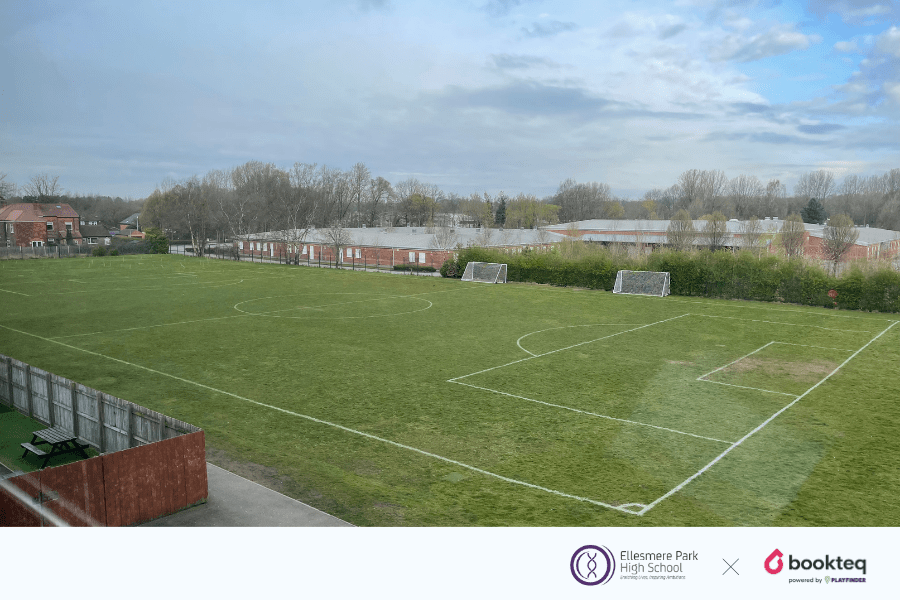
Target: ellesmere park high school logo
column 592, row 565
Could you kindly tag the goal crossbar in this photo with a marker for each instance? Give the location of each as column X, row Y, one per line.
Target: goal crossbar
column 646, row 283
column 485, row 272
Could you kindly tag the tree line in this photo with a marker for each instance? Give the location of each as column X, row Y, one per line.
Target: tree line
column 258, row 196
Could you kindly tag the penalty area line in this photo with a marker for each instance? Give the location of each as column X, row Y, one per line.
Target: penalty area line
column 681, row 485
column 336, row 426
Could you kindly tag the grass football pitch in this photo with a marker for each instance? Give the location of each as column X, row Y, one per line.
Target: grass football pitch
column 398, row 400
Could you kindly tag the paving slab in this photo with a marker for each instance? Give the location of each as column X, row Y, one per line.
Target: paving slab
column 238, row 502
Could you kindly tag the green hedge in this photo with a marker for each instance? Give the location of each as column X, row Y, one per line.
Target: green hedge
column 706, row 274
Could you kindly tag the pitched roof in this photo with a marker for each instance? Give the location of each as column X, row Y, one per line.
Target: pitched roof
column 421, row 238
column 94, row 231
column 32, row 211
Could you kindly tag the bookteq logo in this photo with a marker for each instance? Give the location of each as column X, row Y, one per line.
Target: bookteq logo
column 774, row 565
column 775, row 556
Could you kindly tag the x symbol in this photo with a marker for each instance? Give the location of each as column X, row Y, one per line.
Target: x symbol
column 731, row 566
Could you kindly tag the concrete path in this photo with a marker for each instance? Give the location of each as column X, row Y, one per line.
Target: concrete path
column 238, row 502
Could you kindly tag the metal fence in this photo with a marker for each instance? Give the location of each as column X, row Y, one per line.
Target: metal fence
column 107, row 423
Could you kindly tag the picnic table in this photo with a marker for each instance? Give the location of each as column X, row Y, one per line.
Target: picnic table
column 59, row 440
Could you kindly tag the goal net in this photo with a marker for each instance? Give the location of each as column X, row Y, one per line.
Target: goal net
column 648, row 283
column 485, row 272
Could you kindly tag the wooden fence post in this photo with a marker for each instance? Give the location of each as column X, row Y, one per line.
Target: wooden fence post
column 128, row 427
column 12, row 400
column 74, row 396
column 98, row 396
column 50, row 398
column 28, row 400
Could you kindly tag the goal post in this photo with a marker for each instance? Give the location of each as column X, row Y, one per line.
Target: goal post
column 646, row 283
column 485, row 272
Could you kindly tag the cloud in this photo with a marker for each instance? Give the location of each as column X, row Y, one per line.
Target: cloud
column 819, row 128
column 775, row 42
column 548, row 29
column 671, row 31
column 854, row 11
column 521, row 61
column 848, row 47
column 501, row 8
column 889, row 42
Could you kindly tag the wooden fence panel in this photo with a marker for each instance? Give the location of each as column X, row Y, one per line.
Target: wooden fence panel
column 116, row 424
column 20, row 389
column 6, row 382
column 61, row 403
column 88, row 415
column 40, row 395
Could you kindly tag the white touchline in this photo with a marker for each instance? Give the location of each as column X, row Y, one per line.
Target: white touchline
column 566, row 348
column 819, row 347
column 19, row 293
column 763, row 424
column 335, row 425
column 585, row 412
column 783, row 323
column 748, row 388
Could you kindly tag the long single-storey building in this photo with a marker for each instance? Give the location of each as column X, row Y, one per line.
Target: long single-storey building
column 423, row 246
column 873, row 243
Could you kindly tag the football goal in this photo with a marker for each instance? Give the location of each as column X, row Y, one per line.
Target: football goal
column 485, row 272
column 648, row 283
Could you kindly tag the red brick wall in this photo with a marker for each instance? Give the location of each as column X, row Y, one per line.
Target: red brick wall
column 118, row 489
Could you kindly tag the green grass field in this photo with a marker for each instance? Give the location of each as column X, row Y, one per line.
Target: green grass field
column 398, row 400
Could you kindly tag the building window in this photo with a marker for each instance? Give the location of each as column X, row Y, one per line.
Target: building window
column 304, row 250
column 358, row 254
column 349, row 253
column 422, row 257
column 412, row 257
column 37, row 244
column 10, row 228
column 49, row 226
column 68, row 227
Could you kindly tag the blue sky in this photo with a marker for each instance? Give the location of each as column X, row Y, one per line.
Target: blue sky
column 471, row 95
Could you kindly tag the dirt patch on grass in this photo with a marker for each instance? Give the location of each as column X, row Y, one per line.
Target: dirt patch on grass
column 801, row 371
column 680, row 362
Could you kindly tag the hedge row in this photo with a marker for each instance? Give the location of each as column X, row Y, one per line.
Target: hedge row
column 721, row 274
column 417, row 268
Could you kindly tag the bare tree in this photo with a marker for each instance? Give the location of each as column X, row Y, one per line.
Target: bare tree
column 715, row 231
column 792, row 235
column 42, row 186
column 444, row 238
column 681, row 232
column 359, row 181
column 337, row 238
column 751, row 232
column 745, row 192
column 7, row 188
column 774, row 195
column 378, row 194
column 817, row 184
column 839, row 236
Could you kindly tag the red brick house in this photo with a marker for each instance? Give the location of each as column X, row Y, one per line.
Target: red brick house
column 33, row 224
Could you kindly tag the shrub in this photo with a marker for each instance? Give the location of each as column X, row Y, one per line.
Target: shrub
column 98, row 251
column 113, row 252
column 448, row 269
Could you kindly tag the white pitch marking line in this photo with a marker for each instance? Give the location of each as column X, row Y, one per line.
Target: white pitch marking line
column 336, row 426
column 63, row 337
column 17, row 293
column 566, row 348
column 808, row 346
column 749, row 388
column 763, row 424
column 734, row 361
column 782, row 323
column 564, row 327
column 585, row 412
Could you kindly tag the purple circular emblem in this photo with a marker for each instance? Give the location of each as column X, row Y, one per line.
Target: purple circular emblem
column 589, row 562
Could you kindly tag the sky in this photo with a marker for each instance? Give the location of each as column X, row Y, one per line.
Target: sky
column 470, row 95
